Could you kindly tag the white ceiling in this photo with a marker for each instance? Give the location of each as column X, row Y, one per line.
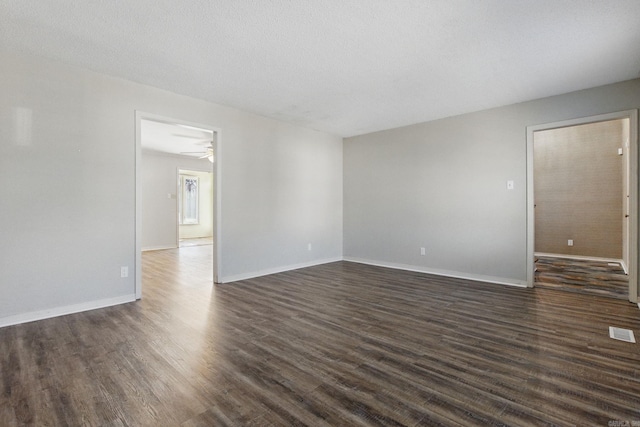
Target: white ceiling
column 343, row 66
column 174, row 138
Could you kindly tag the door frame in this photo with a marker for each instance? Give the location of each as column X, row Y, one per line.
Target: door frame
column 217, row 200
column 632, row 231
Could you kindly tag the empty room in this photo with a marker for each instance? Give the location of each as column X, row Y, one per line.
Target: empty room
column 328, row 213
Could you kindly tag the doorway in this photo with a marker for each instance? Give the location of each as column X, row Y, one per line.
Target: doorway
column 582, row 198
column 158, row 164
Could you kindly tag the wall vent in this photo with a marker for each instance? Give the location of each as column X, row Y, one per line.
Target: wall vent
column 621, row 334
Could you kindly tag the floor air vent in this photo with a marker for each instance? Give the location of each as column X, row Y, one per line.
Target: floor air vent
column 621, row 334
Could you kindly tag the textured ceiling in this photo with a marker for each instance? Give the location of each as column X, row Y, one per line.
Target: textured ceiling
column 343, row 66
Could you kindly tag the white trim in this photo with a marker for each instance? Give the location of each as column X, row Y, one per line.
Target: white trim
column 217, row 207
column 439, row 272
column 530, row 249
column 632, row 115
column 137, row 287
column 157, row 248
column 268, row 271
column 624, row 267
column 217, row 202
column 580, row 257
column 633, row 206
column 178, row 220
column 63, row 311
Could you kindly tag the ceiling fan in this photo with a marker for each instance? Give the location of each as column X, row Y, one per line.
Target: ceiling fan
column 207, row 153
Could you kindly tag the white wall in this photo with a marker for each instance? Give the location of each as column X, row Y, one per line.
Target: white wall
column 67, row 185
column 158, row 173
column 441, row 185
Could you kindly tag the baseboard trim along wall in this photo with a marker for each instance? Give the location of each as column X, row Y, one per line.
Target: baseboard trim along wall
column 580, row 257
column 157, row 248
column 438, row 272
column 266, row 272
column 108, row 302
column 62, row 311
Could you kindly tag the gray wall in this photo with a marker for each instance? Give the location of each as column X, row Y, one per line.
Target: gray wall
column 441, row 185
column 67, row 185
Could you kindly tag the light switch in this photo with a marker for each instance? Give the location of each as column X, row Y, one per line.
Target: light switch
column 510, row 185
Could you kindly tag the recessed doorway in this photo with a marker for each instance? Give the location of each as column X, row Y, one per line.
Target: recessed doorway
column 582, row 196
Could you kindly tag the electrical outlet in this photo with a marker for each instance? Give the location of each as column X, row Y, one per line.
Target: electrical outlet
column 423, row 251
column 570, row 242
column 309, row 247
column 510, row 185
column 124, row 271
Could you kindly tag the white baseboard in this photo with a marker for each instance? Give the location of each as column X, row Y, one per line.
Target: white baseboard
column 580, row 257
column 438, row 272
column 61, row 311
column 157, row 248
column 624, row 267
column 268, row 271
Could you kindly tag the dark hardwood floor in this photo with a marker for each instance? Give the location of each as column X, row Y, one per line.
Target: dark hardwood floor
column 582, row 276
column 332, row 345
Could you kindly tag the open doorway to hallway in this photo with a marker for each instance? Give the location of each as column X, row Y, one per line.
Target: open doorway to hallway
column 177, row 192
column 581, row 205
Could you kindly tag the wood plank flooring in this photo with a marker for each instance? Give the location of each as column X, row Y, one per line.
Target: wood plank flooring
column 340, row 344
column 196, row 241
column 582, row 276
